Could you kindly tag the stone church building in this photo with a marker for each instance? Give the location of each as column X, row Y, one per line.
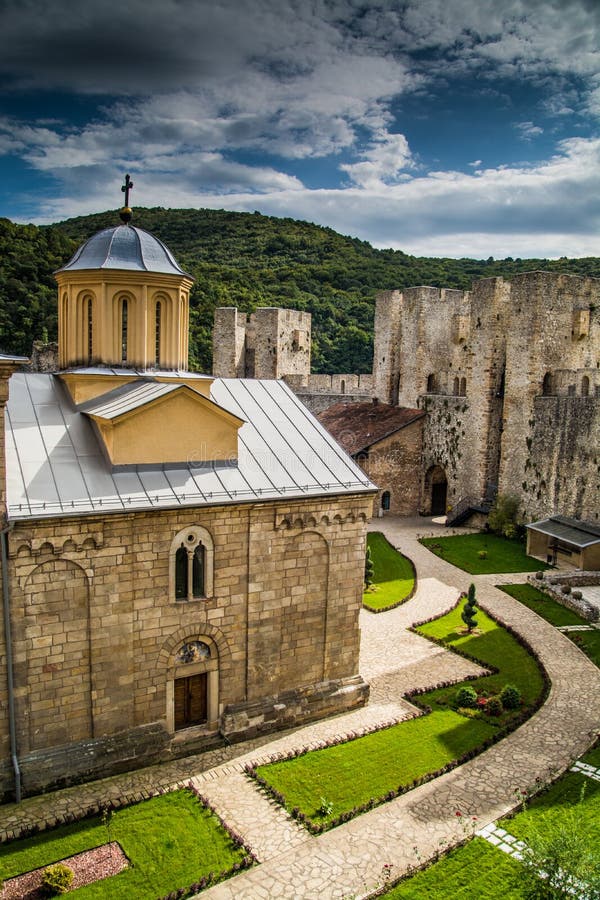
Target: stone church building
column 182, row 555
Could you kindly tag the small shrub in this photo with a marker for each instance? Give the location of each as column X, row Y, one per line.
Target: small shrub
column 539, row 576
column 482, row 554
column 57, row 879
column 468, row 613
column 326, row 808
column 494, row 706
column 510, row 697
column 566, row 589
column 576, row 595
column 466, row 696
column 369, row 569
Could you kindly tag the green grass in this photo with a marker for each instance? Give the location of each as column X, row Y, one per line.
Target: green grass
column 493, row 645
column 557, row 614
column 478, row 871
column 463, row 550
column 171, row 842
column 393, row 575
column 395, row 756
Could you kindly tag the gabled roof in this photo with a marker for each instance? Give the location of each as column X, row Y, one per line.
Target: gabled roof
column 357, row 426
column 572, row 531
column 56, row 466
column 126, row 398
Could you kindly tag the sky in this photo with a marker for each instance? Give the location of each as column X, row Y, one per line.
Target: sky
column 437, row 127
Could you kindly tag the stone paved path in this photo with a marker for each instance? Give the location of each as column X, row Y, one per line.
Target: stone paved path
column 348, row 861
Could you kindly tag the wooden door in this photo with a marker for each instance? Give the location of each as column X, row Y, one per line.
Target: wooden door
column 191, row 700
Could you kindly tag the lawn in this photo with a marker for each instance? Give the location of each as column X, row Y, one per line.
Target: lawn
column 171, row 841
column 394, row 757
column 462, row 550
column 393, row 575
column 478, row 871
column 557, row 614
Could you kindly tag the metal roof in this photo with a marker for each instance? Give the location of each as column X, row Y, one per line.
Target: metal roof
column 572, row 531
column 142, row 373
column 124, row 247
column 55, row 465
column 126, row 398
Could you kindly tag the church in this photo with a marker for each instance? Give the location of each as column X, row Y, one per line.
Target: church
column 182, row 555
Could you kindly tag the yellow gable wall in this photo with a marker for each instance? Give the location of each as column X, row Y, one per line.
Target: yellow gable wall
column 87, row 387
column 176, row 429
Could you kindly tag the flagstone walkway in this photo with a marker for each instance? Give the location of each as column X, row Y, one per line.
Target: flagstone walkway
column 349, row 860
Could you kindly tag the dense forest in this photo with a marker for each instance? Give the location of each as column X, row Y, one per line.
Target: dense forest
column 244, row 260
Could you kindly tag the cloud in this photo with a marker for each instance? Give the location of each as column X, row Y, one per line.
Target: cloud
column 527, row 130
column 382, row 162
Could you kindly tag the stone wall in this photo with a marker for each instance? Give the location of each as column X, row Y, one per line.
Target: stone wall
column 96, row 626
column 270, row 343
column 393, row 465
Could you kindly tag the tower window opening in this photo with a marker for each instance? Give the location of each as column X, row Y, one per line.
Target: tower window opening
column 157, row 332
column 90, row 330
column 124, row 330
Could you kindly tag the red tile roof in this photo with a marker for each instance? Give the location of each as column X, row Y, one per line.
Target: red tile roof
column 357, row 426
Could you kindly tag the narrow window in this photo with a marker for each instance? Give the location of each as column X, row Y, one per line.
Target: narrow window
column 585, row 386
column 198, row 572
column 431, row 384
column 456, row 387
column 181, row 574
column 385, row 501
column 124, row 330
column 463, row 387
column 90, row 330
column 157, row 331
column 547, row 385
column 343, row 386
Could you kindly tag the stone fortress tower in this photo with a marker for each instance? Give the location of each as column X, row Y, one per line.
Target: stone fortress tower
column 508, row 374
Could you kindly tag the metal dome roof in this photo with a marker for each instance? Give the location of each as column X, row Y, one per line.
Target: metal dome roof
column 124, row 247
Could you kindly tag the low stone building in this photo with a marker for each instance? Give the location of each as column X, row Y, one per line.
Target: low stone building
column 565, row 542
column 182, row 556
column 387, row 442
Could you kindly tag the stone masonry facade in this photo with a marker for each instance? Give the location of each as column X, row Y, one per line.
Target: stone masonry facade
column 96, row 626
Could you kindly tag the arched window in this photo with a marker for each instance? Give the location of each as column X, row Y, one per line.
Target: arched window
column 157, row 332
column 124, row 329
column 431, row 384
column 90, row 329
column 456, row 388
column 547, row 385
column 463, row 387
column 191, row 571
column 585, row 386
column 385, row 501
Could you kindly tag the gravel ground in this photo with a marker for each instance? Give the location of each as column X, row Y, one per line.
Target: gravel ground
column 89, row 866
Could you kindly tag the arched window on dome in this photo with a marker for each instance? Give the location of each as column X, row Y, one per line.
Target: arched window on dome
column 90, row 330
column 157, row 332
column 124, row 324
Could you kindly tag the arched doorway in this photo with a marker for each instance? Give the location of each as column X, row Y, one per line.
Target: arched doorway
column 436, row 487
column 192, row 698
column 385, row 501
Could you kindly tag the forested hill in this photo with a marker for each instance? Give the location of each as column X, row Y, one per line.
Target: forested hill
column 244, row 260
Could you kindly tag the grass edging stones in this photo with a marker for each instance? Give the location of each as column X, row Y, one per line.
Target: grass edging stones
column 320, row 788
column 394, row 576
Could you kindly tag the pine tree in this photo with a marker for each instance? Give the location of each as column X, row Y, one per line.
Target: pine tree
column 369, row 569
column 468, row 613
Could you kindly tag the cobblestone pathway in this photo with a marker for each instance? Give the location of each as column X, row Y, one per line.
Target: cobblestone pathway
column 349, row 860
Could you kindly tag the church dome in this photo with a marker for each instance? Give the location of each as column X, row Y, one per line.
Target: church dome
column 124, row 247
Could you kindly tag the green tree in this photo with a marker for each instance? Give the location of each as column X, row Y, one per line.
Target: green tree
column 468, row 613
column 369, row 568
column 503, row 516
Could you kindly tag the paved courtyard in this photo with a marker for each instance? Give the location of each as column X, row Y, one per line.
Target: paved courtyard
column 349, row 860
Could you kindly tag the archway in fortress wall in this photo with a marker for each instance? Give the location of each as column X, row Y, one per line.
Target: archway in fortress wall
column 436, row 490
column 302, row 647
column 58, row 654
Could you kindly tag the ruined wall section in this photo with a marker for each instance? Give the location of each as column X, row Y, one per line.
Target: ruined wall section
column 229, row 343
column 549, row 447
column 387, row 344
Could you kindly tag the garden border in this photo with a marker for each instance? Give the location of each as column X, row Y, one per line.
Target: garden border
column 315, row 828
column 413, row 590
